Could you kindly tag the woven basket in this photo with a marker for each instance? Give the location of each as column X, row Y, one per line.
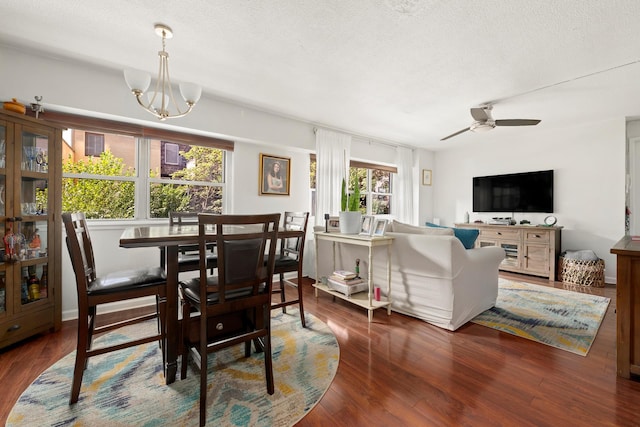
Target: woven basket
column 581, row 272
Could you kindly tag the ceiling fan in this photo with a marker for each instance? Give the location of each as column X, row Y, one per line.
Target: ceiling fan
column 484, row 122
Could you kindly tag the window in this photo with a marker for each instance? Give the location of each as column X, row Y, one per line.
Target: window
column 376, row 186
column 131, row 179
column 197, row 185
column 171, row 153
column 93, row 144
column 375, row 189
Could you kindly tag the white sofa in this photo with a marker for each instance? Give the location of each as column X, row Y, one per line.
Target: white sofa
column 433, row 277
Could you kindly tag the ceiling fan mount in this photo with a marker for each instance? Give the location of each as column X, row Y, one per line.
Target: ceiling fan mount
column 483, row 121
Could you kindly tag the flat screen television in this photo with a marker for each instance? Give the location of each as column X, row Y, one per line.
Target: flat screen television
column 518, row 192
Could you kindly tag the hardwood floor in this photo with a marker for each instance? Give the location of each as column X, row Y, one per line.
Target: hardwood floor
column 401, row 371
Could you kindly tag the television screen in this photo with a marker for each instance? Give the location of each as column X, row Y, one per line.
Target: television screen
column 519, row 192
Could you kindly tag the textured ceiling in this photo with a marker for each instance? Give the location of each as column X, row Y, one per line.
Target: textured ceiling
column 399, row 70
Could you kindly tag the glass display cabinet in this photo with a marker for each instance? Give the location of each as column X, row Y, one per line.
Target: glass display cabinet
column 30, row 207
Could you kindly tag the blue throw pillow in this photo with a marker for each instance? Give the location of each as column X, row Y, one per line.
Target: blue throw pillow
column 467, row 236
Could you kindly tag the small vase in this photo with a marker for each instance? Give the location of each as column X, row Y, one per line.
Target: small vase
column 350, row 222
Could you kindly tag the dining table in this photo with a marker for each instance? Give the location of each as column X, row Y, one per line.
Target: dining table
column 169, row 238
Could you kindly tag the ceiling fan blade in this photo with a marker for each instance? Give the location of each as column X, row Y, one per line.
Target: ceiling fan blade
column 517, row 122
column 480, row 114
column 454, row 134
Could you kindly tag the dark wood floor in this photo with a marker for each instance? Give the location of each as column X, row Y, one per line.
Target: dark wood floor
column 402, row 371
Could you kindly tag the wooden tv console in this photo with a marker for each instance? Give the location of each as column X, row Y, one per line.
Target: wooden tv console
column 529, row 249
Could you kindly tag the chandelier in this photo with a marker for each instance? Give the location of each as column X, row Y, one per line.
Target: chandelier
column 161, row 102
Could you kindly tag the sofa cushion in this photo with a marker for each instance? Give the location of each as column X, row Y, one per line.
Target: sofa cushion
column 467, row 236
column 401, row 227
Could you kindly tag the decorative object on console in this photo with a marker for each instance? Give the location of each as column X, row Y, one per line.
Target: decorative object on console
column 380, row 227
column 158, row 101
column 333, row 224
column 367, row 225
column 346, row 282
column 550, row 221
column 350, row 216
column 467, row 236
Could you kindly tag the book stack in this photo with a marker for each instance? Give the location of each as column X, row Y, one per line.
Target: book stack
column 346, row 282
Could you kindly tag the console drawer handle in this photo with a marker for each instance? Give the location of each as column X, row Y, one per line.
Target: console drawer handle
column 499, row 233
column 13, row 328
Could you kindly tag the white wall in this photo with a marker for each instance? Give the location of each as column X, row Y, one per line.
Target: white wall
column 589, row 160
column 589, row 180
column 74, row 86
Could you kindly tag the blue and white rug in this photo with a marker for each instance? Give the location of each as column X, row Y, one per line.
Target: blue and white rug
column 563, row 319
column 127, row 388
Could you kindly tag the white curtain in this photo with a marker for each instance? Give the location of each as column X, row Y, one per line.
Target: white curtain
column 333, row 150
column 403, row 188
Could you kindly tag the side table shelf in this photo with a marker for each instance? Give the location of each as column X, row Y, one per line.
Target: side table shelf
column 362, row 299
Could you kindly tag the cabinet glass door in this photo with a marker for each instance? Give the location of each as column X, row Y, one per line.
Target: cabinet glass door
column 31, row 212
column 511, row 254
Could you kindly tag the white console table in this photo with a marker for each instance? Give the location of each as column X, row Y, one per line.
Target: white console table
column 368, row 302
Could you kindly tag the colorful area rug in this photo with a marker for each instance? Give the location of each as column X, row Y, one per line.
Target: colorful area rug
column 126, row 388
column 563, row 319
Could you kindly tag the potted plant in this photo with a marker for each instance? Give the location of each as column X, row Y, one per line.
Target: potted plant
column 350, row 216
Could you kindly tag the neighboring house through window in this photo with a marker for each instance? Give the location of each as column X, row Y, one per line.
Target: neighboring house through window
column 93, row 144
column 171, row 153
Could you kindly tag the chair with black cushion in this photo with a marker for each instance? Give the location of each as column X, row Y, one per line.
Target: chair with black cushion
column 289, row 259
column 188, row 255
column 233, row 306
column 94, row 290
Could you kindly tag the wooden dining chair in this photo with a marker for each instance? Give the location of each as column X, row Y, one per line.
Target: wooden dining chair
column 94, row 290
column 188, row 255
column 232, row 307
column 289, row 259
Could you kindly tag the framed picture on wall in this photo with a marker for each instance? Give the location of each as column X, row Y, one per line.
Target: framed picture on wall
column 275, row 173
column 426, row 176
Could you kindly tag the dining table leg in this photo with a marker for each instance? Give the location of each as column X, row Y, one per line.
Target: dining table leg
column 172, row 327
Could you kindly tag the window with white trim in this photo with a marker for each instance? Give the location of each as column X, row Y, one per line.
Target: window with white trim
column 113, row 186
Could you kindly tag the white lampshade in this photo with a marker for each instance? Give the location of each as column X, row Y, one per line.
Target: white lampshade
column 137, row 80
column 190, row 92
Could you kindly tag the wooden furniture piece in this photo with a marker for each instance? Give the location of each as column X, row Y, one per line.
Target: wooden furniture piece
column 361, row 299
column 290, row 259
column 30, row 158
column 238, row 296
column 188, row 255
column 94, row 290
column 171, row 237
column 529, row 249
column 627, row 252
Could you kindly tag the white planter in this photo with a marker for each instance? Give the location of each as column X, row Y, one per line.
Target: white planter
column 350, row 222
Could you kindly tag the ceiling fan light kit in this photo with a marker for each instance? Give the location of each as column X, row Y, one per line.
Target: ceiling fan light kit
column 483, row 121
